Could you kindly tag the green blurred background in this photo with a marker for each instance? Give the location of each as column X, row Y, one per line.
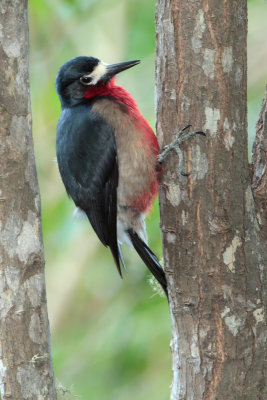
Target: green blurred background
column 110, row 338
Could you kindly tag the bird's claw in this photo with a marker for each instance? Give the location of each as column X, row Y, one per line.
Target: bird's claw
column 183, row 130
column 180, row 138
column 184, row 173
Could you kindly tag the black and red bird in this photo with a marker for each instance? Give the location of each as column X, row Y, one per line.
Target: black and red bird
column 107, row 156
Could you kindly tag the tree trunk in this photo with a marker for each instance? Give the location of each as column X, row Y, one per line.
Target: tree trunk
column 25, row 360
column 214, row 232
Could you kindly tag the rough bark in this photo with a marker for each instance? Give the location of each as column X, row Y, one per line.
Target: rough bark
column 259, row 169
column 214, row 251
column 25, row 361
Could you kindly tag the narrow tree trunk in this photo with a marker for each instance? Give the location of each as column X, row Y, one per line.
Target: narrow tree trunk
column 214, row 248
column 25, row 360
column 259, row 169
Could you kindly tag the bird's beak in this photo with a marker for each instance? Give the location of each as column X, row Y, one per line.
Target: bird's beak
column 113, row 69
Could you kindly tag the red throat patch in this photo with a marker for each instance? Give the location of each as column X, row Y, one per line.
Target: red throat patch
column 121, row 96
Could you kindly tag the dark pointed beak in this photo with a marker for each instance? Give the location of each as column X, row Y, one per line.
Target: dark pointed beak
column 114, row 69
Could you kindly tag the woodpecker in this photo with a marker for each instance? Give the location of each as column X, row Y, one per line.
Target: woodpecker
column 107, row 156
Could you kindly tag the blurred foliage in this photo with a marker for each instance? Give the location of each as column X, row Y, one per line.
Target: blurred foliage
column 110, row 338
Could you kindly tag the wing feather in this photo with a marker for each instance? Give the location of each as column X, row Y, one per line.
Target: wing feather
column 87, row 159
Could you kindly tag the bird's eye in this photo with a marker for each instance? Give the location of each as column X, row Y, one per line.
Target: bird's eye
column 85, row 80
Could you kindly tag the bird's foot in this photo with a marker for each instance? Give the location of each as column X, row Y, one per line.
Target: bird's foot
column 180, row 138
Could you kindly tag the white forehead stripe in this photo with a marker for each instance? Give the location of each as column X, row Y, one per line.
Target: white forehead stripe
column 98, row 72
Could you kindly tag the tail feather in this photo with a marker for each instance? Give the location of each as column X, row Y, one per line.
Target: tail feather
column 121, row 257
column 149, row 259
column 117, row 256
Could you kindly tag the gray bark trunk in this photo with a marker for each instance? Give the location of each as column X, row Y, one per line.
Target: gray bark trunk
column 25, row 360
column 214, row 232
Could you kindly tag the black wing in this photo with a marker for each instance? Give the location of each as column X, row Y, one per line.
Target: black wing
column 87, row 160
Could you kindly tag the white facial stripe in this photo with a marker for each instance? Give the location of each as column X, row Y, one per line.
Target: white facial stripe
column 98, row 72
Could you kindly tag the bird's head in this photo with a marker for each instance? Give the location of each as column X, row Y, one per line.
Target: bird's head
column 82, row 75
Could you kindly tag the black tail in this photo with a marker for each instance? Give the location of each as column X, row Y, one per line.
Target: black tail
column 149, row 259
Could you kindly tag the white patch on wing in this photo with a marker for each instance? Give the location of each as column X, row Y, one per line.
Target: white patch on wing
column 79, row 213
column 98, row 72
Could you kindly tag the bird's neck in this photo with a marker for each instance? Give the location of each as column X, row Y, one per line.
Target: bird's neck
column 118, row 93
